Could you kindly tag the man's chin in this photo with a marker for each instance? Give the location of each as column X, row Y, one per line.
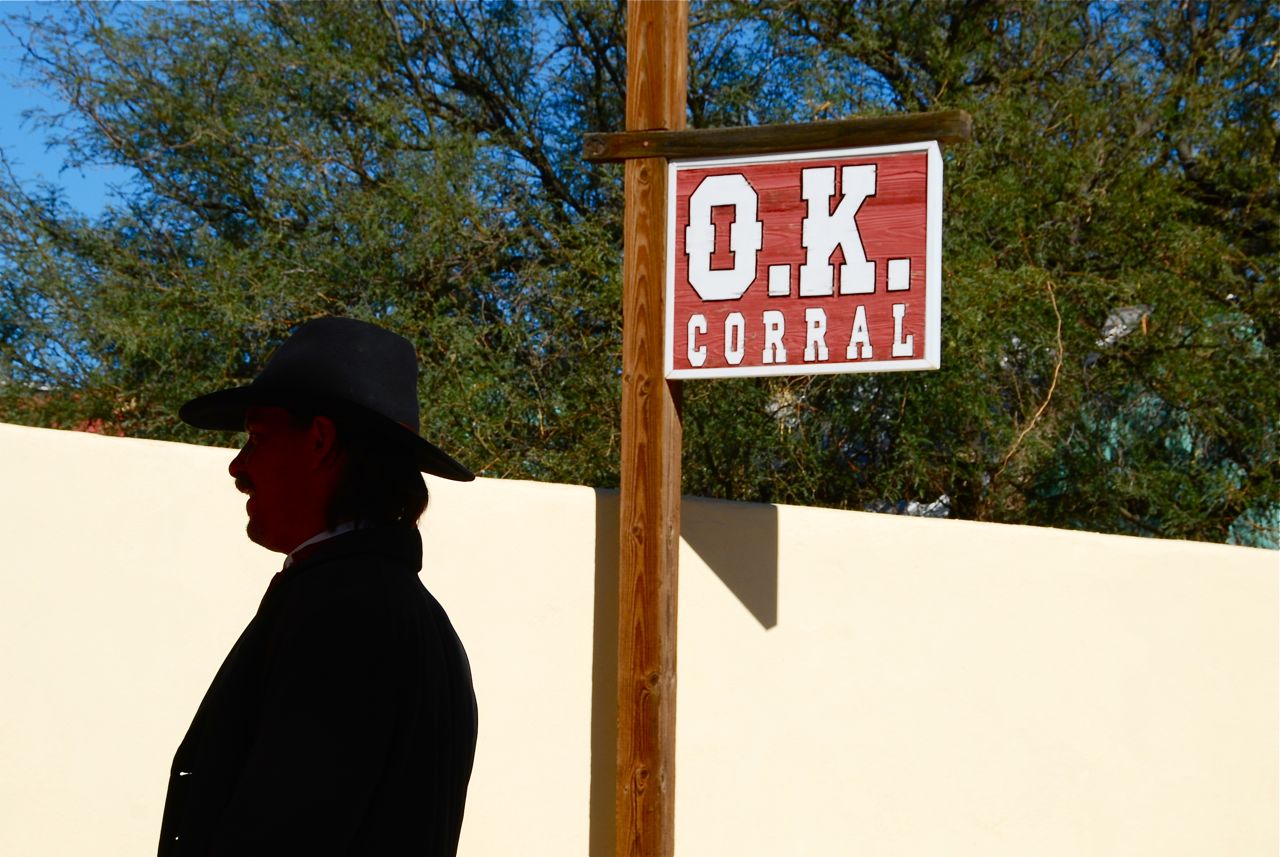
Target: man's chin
column 252, row 532
column 255, row 531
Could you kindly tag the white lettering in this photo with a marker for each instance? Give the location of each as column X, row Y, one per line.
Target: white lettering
column 815, row 345
column 779, row 281
column 775, row 324
column 899, row 275
column 735, row 338
column 697, row 324
column 746, row 236
column 901, row 348
column 860, row 339
column 823, row 230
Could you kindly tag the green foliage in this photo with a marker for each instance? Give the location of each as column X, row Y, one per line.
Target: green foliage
column 1110, row 262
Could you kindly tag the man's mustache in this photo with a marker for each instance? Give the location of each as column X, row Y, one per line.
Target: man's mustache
column 243, row 485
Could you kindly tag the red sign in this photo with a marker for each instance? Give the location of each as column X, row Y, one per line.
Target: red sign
column 805, row 263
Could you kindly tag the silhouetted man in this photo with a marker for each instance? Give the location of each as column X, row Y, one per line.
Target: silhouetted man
column 343, row 721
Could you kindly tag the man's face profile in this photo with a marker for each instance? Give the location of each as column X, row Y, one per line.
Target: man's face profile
column 276, row 469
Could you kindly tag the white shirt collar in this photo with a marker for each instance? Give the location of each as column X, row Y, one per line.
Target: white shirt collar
column 344, row 527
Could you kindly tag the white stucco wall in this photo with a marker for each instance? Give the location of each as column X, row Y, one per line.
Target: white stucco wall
column 849, row 683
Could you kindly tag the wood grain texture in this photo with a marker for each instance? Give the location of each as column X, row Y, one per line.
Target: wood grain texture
column 649, row 517
column 946, row 126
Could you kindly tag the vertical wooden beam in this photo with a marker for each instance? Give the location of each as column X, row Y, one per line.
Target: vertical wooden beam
column 657, row 35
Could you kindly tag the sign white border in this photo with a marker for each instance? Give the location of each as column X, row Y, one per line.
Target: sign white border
column 932, row 358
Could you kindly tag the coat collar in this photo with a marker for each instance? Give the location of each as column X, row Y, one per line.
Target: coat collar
column 401, row 543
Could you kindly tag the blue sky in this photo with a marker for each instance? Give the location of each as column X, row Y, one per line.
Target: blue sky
column 32, row 160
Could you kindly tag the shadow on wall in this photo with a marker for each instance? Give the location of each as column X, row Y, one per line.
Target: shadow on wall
column 604, row 677
column 739, row 543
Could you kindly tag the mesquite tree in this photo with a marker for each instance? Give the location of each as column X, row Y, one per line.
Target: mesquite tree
column 1111, row 239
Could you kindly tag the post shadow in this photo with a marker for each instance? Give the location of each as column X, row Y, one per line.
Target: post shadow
column 604, row 679
column 739, row 543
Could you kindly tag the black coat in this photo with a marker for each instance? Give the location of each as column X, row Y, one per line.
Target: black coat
column 343, row 720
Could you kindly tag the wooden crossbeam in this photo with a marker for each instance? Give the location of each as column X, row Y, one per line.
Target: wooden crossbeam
column 946, row 126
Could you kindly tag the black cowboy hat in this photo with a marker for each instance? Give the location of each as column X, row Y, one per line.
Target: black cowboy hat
column 339, row 365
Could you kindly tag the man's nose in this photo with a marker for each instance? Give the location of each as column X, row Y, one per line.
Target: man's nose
column 236, row 467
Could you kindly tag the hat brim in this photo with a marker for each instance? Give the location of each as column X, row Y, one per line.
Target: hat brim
column 224, row 410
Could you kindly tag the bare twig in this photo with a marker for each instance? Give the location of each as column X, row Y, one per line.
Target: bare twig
column 1053, row 384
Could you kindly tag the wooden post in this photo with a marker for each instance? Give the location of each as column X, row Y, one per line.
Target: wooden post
column 657, row 34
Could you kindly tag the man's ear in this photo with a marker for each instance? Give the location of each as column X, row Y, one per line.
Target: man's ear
column 322, row 439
